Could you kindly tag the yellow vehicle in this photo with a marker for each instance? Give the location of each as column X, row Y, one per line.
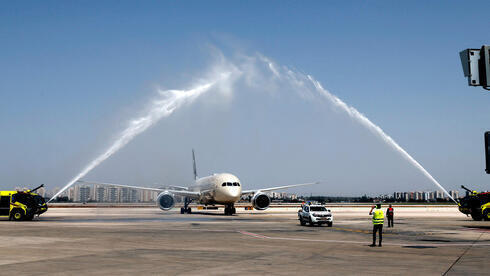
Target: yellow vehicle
column 475, row 204
column 21, row 205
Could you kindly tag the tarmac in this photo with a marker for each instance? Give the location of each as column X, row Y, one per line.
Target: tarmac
column 148, row 241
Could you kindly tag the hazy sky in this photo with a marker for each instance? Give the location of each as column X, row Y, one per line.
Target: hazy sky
column 72, row 74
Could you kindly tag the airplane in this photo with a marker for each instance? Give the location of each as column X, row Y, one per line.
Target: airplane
column 218, row 188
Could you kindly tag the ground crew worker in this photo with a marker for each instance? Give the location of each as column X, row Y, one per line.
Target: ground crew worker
column 389, row 214
column 378, row 220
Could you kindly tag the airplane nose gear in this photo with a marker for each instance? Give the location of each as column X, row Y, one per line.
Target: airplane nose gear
column 230, row 210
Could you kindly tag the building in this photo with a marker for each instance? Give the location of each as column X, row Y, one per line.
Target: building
column 84, row 193
column 100, row 194
column 147, row 196
column 406, row 196
column 417, row 196
column 112, row 194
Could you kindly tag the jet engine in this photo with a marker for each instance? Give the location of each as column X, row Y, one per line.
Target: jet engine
column 166, row 201
column 261, row 201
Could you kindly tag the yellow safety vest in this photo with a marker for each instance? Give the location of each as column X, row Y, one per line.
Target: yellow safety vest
column 378, row 217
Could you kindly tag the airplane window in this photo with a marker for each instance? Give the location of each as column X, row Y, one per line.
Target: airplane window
column 238, row 184
column 228, row 184
column 224, row 184
column 235, row 184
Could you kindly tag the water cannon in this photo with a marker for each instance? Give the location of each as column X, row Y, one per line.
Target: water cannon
column 476, row 66
column 469, row 191
column 37, row 188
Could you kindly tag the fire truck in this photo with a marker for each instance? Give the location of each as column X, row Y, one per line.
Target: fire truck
column 22, row 205
column 475, row 204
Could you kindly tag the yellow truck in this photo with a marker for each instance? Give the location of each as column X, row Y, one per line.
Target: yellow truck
column 21, row 205
column 475, row 204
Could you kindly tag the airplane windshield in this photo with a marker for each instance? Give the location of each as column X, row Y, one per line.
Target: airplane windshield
column 230, row 184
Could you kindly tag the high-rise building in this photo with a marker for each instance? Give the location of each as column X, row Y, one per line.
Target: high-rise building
column 84, row 194
column 112, row 194
column 398, row 196
column 134, row 195
column 123, row 195
column 147, row 196
column 100, row 194
column 406, row 196
column 417, row 196
column 431, row 196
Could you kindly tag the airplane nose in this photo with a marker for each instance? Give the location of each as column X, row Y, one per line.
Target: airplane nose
column 233, row 192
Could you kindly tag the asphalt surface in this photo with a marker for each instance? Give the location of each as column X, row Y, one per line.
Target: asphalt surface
column 148, row 241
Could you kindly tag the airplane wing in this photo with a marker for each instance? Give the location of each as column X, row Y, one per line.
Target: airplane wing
column 277, row 188
column 175, row 192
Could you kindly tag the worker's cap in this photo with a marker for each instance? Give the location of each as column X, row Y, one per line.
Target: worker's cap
column 378, row 205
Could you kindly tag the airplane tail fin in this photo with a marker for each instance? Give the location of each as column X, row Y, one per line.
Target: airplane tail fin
column 194, row 164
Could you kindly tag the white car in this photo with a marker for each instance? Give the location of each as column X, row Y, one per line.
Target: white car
column 315, row 214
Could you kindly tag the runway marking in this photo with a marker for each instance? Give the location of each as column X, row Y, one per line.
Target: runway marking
column 254, row 235
column 464, row 253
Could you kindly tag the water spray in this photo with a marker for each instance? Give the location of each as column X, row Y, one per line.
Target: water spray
column 170, row 100
column 354, row 113
column 299, row 79
column 165, row 104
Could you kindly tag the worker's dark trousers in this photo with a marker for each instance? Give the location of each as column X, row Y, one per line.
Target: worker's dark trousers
column 376, row 228
column 390, row 221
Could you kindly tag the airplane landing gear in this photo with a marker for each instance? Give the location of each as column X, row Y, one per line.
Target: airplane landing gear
column 230, row 210
column 186, row 209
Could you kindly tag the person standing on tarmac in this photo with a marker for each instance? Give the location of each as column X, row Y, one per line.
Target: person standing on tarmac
column 378, row 220
column 389, row 214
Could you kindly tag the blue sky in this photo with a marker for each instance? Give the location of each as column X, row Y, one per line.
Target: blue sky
column 73, row 73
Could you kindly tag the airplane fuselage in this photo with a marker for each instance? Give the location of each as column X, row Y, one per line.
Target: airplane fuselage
column 222, row 188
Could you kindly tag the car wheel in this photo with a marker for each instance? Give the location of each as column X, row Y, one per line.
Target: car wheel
column 302, row 222
column 476, row 216
column 17, row 215
column 310, row 222
column 182, row 210
column 330, row 224
column 189, row 210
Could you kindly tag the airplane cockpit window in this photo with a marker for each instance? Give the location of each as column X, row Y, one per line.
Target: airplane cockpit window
column 230, row 184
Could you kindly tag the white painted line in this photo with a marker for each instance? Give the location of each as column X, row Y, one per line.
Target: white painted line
column 362, row 242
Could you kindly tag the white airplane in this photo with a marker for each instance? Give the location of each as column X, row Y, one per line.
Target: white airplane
column 219, row 188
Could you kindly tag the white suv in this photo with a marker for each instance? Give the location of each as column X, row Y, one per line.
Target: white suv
column 315, row 214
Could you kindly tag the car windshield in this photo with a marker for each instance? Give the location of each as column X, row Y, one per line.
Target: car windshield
column 318, row 209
